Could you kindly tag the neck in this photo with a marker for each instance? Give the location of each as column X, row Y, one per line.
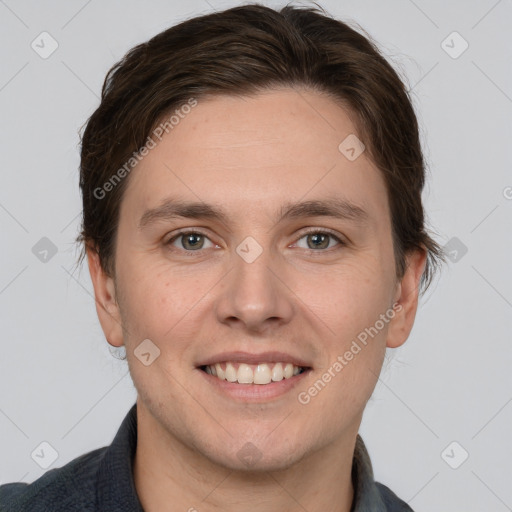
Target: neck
column 169, row 473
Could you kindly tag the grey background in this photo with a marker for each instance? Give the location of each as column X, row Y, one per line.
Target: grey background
column 450, row 382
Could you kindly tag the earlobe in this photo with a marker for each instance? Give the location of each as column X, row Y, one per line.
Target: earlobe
column 107, row 306
column 406, row 299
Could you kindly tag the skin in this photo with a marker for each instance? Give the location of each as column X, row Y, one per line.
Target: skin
column 250, row 156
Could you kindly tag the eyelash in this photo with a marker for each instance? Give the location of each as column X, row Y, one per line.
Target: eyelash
column 310, row 231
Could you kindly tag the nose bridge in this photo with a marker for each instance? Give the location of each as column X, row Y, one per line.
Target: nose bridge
column 252, row 268
column 253, row 293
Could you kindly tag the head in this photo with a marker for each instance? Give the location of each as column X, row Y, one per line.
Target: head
column 252, row 182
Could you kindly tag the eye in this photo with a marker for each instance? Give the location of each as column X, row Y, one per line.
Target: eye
column 319, row 239
column 193, row 241
column 190, row 241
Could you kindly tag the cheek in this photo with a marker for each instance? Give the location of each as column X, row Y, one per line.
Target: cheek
column 155, row 298
column 346, row 299
column 349, row 306
column 345, row 382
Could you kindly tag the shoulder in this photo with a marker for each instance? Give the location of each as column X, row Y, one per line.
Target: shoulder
column 392, row 502
column 70, row 488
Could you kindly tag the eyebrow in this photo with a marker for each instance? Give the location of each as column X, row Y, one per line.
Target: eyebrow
column 337, row 208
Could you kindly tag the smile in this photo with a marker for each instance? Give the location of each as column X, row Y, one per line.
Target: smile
column 261, row 373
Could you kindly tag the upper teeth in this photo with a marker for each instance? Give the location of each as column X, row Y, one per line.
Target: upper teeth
column 262, row 373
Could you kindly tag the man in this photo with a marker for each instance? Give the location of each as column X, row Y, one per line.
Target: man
column 254, row 230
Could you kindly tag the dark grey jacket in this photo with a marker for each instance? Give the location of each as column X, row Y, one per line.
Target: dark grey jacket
column 102, row 480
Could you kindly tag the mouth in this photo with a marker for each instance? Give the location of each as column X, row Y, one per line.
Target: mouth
column 263, row 373
column 253, row 378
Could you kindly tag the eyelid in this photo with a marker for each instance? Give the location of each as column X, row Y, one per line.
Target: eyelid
column 326, row 231
column 333, row 234
column 186, row 231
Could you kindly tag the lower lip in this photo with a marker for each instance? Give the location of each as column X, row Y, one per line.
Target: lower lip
column 254, row 392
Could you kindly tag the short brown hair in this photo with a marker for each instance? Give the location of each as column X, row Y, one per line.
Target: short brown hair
column 241, row 51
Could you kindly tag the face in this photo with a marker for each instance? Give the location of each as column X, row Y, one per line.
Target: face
column 246, row 236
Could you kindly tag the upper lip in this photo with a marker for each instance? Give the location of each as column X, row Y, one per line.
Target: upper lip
column 252, row 358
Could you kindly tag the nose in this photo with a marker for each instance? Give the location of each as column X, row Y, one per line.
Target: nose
column 253, row 296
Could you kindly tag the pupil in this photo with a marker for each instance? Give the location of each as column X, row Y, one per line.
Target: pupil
column 193, row 240
column 318, row 238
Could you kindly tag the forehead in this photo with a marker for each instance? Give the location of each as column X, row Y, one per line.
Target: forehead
column 272, row 147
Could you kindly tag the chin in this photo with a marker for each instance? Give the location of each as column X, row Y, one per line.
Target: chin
column 256, row 456
column 255, row 462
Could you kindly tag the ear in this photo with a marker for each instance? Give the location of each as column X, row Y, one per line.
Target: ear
column 106, row 302
column 406, row 299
